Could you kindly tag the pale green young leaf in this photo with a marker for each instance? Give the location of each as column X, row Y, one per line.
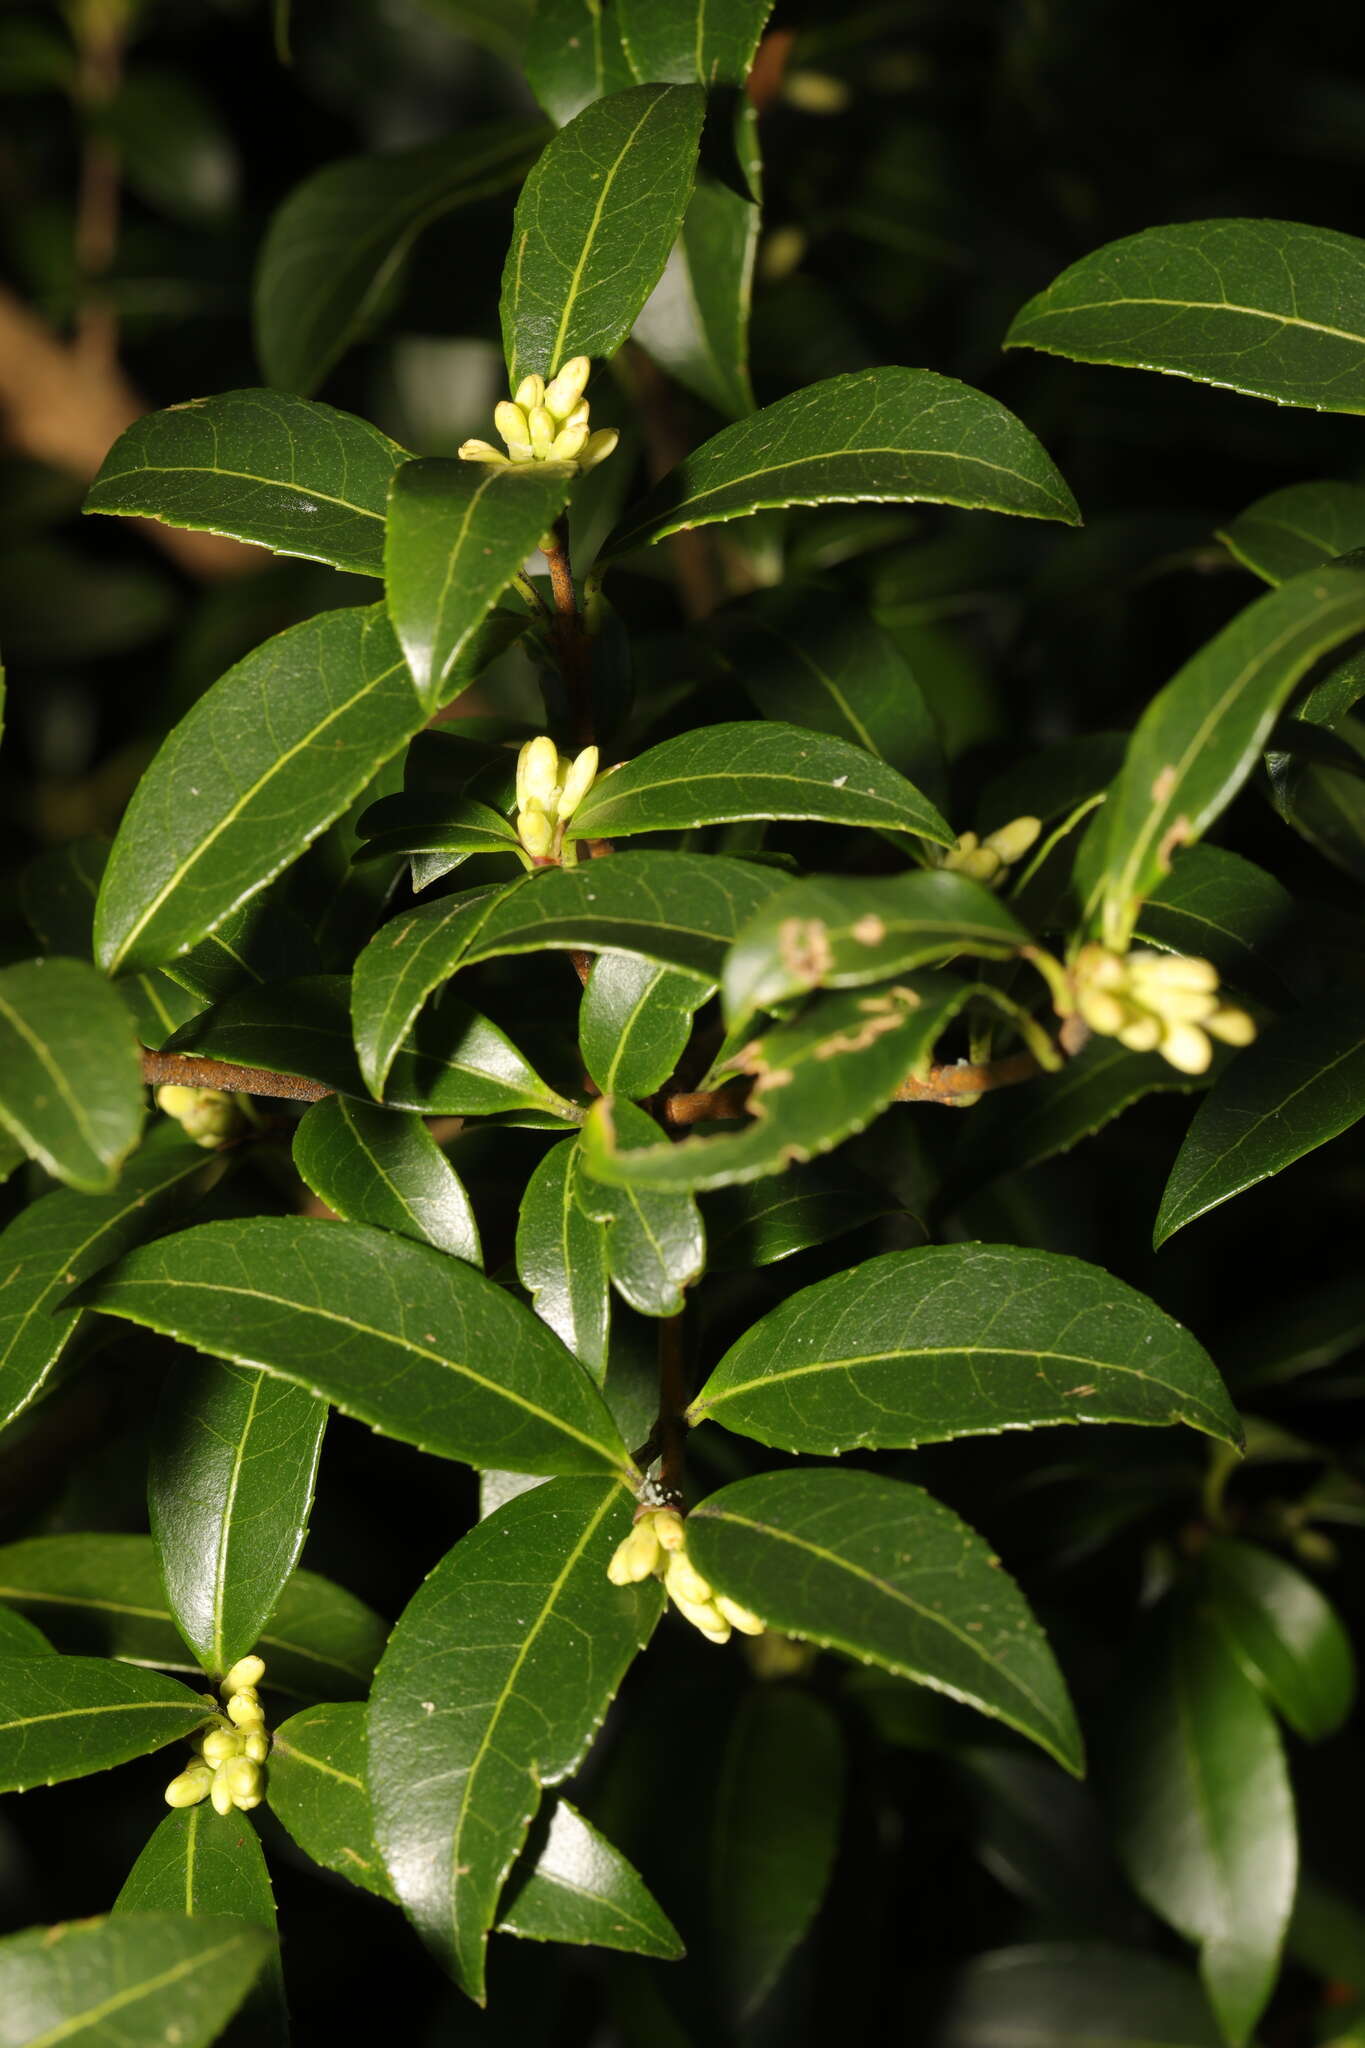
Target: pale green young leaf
column 298, row 478
column 877, row 434
column 562, row 1259
column 64, row 1717
column 1296, row 528
column 1283, row 1631
column 340, row 237
column 656, row 1241
column 880, row 1571
column 419, row 1345
column 70, row 1075
column 383, row 1166
column 479, row 1702
column 634, row 1021
column 127, row 1981
column 572, row 1885
column 960, row 1340
column 594, row 225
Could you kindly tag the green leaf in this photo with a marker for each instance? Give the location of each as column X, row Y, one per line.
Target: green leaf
column 19, row 1637
column 562, row 1259
column 455, row 1063
column 1295, row 529
column 634, row 1021
column 1205, row 1814
column 778, row 1807
column 1300, row 1084
column 262, row 764
column 382, row 1166
column 317, row 1792
column 656, row 1243
column 758, row 769
column 831, row 931
column 817, row 1081
column 594, row 225
column 64, row 1717
column 817, row 660
column 960, row 1340
column 1323, row 803
column 299, row 478
column 1222, row 908
column 338, row 240
column 63, row 1238
column 879, row 434
column 758, row 1223
column 418, row 1345
column 479, row 1701
column 70, row 1075
column 404, row 961
column 230, row 1481
column 126, row 1982
column 1263, row 306
column 1074, row 1995
column 880, row 1571
column 683, row 40
column 458, row 533
column 1283, row 1633
column 573, row 1886
column 203, row 1864
column 1199, row 738
column 574, row 56
column 450, row 825
column 104, row 1594
column 58, row 891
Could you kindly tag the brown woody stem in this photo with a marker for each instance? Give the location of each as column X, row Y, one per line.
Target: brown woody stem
column 171, row 1069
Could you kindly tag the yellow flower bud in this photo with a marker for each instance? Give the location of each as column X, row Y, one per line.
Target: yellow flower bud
column 682, row 1580
column 480, row 451
column 739, row 1617
column 1144, row 1034
column 577, row 781
column 1014, row 840
column 530, row 391
column 1232, row 1025
column 220, row 1791
column 221, row 1743
column 246, row 1672
column 1179, row 1005
column 636, row 1555
column 244, row 1711
column 564, row 391
column 208, row 1115
column 703, row 1615
column 1177, row 972
column 1102, row 1012
column 598, row 447
column 578, row 417
column 534, row 829
column 568, row 444
column 190, row 1787
column 256, row 1746
column 541, row 426
column 538, row 774
column 1097, row 967
column 511, row 423
column 1187, row 1048
column 245, row 1782
column 668, row 1527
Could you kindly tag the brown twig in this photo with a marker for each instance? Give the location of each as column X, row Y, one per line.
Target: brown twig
column 173, row 1069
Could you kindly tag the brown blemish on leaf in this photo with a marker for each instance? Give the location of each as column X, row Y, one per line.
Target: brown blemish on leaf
column 869, row 930
column 804, row 949
column 884, row 1013
column 772, row 1077
column 1163, row 786
column 1176, row 836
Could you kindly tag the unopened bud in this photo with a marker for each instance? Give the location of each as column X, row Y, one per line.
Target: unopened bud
column 598, row 447
column 703, row 1615
column 208, row 1115
column 567, row 445
column 577, row 781
column 668, row 1527
column 542, row 430
column 636, row 1555
column 190, row 1787
column 578, row 417
column 1144, row 1034
column 1014, row 840
column 1231, row 1025
column 221, row 1743
column 256, row 1746
column 247, row 1671
column 1187, row 1049
column 739, row 1617
column 244, row 1711
column 538, row 773
column 245, row 1782
column 480, row 451
column 510, row 421
column 530, row 391
column 564, row 391
column 683, row 1581
column 1102, row 1012
column 220, row 1791
column 1178, row 973
column 535, row 830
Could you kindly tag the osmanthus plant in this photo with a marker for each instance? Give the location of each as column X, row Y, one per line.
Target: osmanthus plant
column 581, row 1026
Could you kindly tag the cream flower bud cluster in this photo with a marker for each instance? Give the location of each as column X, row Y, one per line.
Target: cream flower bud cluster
column 550, row 788
column 543, row 422
column 205, row 1114
column 231, row 1749
column 657, row 1548
column 990, row 859
column 1157, row 1002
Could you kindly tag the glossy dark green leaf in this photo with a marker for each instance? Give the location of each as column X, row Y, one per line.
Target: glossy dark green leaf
column 230, row 1483
column 573, row 1886
column 710, row 41
column 317, row 1792
column 880, row 1571
column 815, row 659
column 757, row 769
column 776, row 1828
column 1283, row 1632
column 450, row 825
column 594, row 225
column 1296, row 528
column 656, row 1242
column 299, row 478
column 1205, row 1814
column 574, row 56
column 562, row 1259
column 816, row 1082
column 206, row 1864
column 340, row 237
column 419, row 1345
column 960, row 1340
column 453, row 1063
column 70, row 1076
column 481, row 1699
column 1075, row 1995
column 832, row 931
column 1222, row 908
column 458, row 532
column 64, row 1717
column 58, row 890
column 257, row 769
column 634, row 1021
column 383, row 1166
column 405, row 960
column 103, row 1594
column 1199, row 738
column 65, row 1237
column 1323, row 803
column 1300, row 1084
column 130, row 1981
column 1265, row 306
column 879, row 434
column 757, row 1223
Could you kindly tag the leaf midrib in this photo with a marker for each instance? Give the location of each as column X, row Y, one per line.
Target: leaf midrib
column 1200, row 306
column 131, row 1993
